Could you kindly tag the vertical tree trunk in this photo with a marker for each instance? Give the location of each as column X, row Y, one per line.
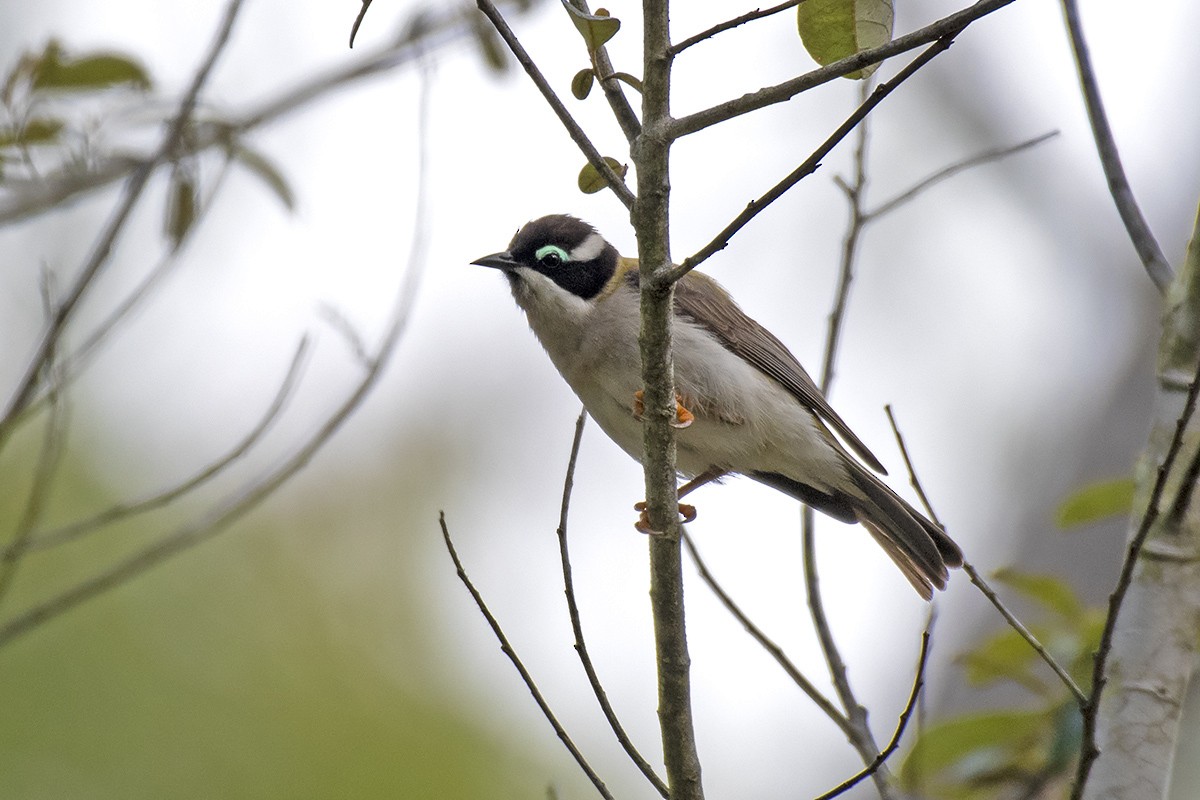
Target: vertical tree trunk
column 1158, row 626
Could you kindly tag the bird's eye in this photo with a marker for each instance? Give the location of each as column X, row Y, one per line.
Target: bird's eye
column 551, row 256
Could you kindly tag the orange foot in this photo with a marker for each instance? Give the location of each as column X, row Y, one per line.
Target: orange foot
column 643, row 523
column 683, row 417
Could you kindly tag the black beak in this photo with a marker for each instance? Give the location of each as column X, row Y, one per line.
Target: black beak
column 502, row 260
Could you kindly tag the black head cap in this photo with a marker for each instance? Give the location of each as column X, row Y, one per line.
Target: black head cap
column 563, row 248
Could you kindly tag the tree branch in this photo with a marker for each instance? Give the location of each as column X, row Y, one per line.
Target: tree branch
column 810, row 164
column 651, row 218
column 614, row 92
column 508, row 650
column 978, row 580
column 909, row 707
column 103, row 247
column 250, row 495
column 923, row 185
column 125, row 510
column 1156, row 264
column 1089, row 750
column 577, row 624
column 615, row 182
column 773, row 649
column 730, row 24
column 947, row 27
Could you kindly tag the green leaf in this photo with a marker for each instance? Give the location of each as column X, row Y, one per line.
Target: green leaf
column 581, row 84
column 94, row 71
column 182, row 203
column 1004, row 656
column 39, row 130
column 988, row 740
column 267, row 171
column 494, row 53
column 596, row 29
column 590, row 179
column 1047, row 590
column 1097, row 501
column 835, row 29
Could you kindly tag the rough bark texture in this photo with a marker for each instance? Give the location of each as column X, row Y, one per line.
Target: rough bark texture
column 651, row 155
column 1157, row 630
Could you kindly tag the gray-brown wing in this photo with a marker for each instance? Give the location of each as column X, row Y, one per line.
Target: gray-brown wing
column 702, row 300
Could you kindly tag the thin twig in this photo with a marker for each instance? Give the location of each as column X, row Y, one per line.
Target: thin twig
column 224, row 514
column 24, row 199
column 124, row 511
column 901, row 724
column 950, row 171
column 729, row 24
column 614, row 92
column 978, row 580
column 362, row 12
column 1024, row 633
column 810, row 164
column 1088, row 750
column 577, row 624
column 48, row 463
column 949, row 26
column 773, row 649
column 1140, row 235
column 862, row 740
column 615, row 182
column 508, row 650
column 102, row 249
column 854, row 230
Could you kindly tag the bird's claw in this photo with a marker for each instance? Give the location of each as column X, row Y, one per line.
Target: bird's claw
column 683, row 417
column 686, row 512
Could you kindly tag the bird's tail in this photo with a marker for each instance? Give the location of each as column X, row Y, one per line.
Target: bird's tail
column 918, row 546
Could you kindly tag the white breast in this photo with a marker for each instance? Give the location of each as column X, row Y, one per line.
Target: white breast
column 745, row 421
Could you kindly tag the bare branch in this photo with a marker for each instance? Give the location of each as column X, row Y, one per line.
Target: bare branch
column 73, row 365
column 1140, row 235
column 103, row 247
column 508, row 650
column 25, row 199
column 730, row 24
column 1089, row 751
column 810, row 165
column 224, row 514
column 49, row 460
column 950, row 171
column 854, row 230
column 773, row 649
column 577, row 624
column 861, row 739
column 124, row 511
column 909, row 707
column 947, row 27
column 576, row 132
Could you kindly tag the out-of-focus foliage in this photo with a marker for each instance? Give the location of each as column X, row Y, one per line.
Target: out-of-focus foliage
column 985, row 754
column 1097, row 501
column 36, row 85
column 247, row 669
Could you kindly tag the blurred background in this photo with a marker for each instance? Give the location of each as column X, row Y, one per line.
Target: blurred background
column 322, row 646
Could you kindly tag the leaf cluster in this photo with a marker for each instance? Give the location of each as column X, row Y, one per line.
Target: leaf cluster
column 981, row 754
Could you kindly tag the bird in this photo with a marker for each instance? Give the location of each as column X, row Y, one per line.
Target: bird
column 745, row 405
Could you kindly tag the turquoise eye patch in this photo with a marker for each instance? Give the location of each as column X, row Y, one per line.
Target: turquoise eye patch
column 553, row 253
